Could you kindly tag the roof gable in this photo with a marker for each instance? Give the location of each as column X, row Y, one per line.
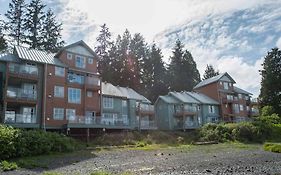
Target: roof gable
column 183, row 97
column 214, row 79
column 79, row 47
column 202, row 98
column 241, row 91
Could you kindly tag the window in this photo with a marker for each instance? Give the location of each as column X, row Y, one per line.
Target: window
column 58, row 114
column 74, row 95
column 59, row 91
column 90, row 61
column 75, row 78
column 211, row 109
column 240, row 96
column 225, row 85
column 124, row 103
column 89, row 94
column 59, row 71
column 247, row 108
column 80, row 62
column 69, row 56
column 229, row 97
column 241, row 108
column 220, row 83
column 70, row 114
column 247, row 97
column 236, row 108
column 107, row 102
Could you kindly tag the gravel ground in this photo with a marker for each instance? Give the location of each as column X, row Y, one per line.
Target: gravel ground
column 208, row 159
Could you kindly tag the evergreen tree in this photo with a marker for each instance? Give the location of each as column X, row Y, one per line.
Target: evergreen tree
column 102, row 50
column 51, row 33
column 15, row 18
column 183, row 73
column 210, row 72
column 156, row 74
column 33, row 23
column 270, row 93
column 3, row 43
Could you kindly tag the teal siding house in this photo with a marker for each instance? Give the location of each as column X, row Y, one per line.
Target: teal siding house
column 124, row 108
column 185, row 110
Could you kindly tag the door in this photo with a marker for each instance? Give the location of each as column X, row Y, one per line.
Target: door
column 28, row 115
column 29, row 90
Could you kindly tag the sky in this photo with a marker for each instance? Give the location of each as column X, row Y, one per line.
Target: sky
column 232, row 35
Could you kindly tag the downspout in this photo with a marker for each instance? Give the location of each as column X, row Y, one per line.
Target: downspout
column 44, row 97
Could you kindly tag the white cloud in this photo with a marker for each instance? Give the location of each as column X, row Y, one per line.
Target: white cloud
column 278, row 43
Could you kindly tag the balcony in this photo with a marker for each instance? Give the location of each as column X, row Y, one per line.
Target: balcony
column 229, row 100
column 23, row 71
column 12, row 118
column 254, row 112
column 98, row 122
column 187, row 125
column 185, row 110
column 20, row 94
column 92, row 82
column 145, row 109
column 148, row 125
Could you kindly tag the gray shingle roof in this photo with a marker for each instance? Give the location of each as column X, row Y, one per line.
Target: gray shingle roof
column 212, row 80
column 202, row 98
column 169, row 99
column 241, row 91
column 8, row 57
column 123, row 92
column 184, row 97
column 37, row 56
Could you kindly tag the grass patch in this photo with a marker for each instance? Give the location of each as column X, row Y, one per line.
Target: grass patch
column 109, row 173
column 273, row 147
column 52, row 173
column 8, row 166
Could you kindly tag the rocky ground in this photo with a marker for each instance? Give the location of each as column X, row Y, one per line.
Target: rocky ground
column 207, row 159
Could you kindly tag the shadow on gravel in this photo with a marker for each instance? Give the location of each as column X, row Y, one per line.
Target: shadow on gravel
column 39, row 164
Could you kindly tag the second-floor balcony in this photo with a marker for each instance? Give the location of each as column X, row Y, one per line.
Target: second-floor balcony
column 185, row 110
column 23, row 70
column 21, row 94
column 145, row 109
column 92, row 82
column 12, row 118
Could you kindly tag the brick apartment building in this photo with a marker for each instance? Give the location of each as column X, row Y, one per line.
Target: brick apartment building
column 44, row 90
column 235, row 103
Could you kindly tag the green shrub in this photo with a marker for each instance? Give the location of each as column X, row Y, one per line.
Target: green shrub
column 245, row 132
column 18, row 143
column 100, row 173
column 273, row 147
column 8, row 166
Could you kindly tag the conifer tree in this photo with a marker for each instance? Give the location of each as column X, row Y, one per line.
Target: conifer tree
column 3, row 43
column 15, row 19
column 51, row 33
column 270, row 93
column 210, row 72
column 102, row 50
column 183, row 73
column 33, row 23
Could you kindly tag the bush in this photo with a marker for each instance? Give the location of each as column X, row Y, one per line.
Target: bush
column 273, row 147
column 18, row 143
column 8, row 166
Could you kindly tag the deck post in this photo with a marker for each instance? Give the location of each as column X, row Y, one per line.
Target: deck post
column 88, row 135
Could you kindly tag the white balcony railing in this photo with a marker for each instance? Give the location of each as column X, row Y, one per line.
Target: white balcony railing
column 147, row 124
column 88, row 120
column 19, row 118
column 20, row 93
column 186, row 108
column 23, row 69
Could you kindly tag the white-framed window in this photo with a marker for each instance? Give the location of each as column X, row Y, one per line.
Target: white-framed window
column 124, row 103
column 236, row 108
column 248, row 108
column 240, row 96
column 211, row 109
column 69, row 56
column 59, row 71
column 229, row 84
column 89, row 94
column 70, row 114
column 241, row 107
column 90, row 60
column 59, row 91
column 80, row 62
column 58, row 113
column 229, row 97
column 220, row 83
column 107, row 102
column 225, row 85
column 74, row 95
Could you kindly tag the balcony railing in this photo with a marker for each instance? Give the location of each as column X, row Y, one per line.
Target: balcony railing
column 19, row 93
column 145, row 108
column 23, row 69
column 93, row 81
column 186, row 109
column 88, row 120
column 19, row 118
column 147, row 124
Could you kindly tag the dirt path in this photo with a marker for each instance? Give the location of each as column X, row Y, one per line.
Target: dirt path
column 211, row 159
